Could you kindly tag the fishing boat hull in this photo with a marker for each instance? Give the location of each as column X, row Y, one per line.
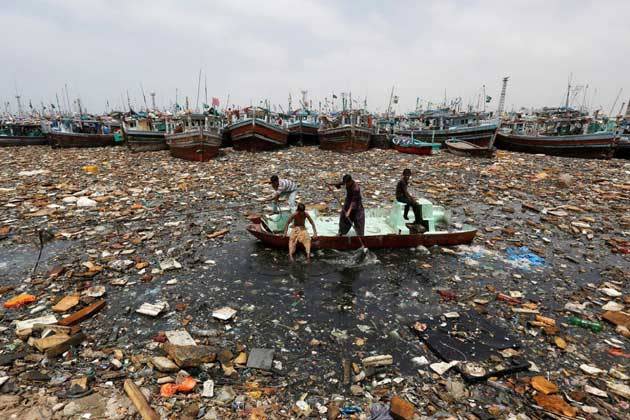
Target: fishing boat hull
column 145, row 141
column 390, row 241
column 466, row 149
column 417, row 150
column 595, row 146
column 479, row 135
column 622, row 151
column 257, row 137
column 345, row 139
column 198, row 146
column 380, row 141
column 303, row 133
column 412, row 146
column 8, row 141
column 64, row 140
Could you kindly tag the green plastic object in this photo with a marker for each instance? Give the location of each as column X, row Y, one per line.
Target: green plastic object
column 591, row 325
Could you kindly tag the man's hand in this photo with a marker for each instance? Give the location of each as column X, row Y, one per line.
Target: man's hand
column 348, row 214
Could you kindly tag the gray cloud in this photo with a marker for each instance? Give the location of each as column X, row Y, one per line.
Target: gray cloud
column 254, row 50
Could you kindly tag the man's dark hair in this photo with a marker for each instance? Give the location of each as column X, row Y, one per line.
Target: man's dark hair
column 346, row 178
column 274, row 178
column 301, row 207
column 407, row 172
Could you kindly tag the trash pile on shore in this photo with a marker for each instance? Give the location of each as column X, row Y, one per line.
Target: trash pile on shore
column 130, row 287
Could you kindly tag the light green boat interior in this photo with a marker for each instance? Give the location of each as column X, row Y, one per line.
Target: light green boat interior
column 378, row 221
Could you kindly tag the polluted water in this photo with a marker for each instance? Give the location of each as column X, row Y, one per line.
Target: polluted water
column 152, row 293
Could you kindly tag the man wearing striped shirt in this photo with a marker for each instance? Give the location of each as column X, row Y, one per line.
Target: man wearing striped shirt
column 283, row 188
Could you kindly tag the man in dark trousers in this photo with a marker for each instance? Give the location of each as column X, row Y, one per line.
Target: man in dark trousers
column 403, row 196
column 352, row 212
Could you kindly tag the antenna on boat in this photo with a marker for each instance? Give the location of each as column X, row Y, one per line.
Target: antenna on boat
column 499, row 110
column 205, row 88
column 69, row 107
column 389, row 106
column 58, row 107
column 128, row 101
column 583, row 109
column 152, row 100
column 144, row 98
column 615, row 103
column 198, row 87
column 566, row 105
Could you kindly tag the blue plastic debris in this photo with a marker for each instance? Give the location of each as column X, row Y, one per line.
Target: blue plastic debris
column 352, row 409
column 523, row 256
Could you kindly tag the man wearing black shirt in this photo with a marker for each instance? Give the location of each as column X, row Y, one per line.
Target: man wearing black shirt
column 403, row 196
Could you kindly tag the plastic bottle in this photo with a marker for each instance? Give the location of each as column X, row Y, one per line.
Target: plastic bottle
column 592, row 325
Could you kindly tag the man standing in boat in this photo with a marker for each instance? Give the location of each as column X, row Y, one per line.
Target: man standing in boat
column 403, row 196
column 283, row 188
column 352, row 213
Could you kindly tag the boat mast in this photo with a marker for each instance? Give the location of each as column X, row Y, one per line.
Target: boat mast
column 391, row 97
column 615, row 103
column 484, row 99
column 566, row 104
column 144, row 98
column 205, row 88
column 499, row 110
column 198, row 87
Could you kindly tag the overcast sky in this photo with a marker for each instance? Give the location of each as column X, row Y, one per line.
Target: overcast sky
column 253, row 49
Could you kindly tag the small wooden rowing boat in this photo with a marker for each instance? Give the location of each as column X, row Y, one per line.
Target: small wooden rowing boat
column 384, row 228
column 466, row 149
column 600, row 145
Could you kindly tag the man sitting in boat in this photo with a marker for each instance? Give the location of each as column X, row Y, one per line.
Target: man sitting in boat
column 299, row 234
column 403, row 196
column 283, row 188
column 352, row 213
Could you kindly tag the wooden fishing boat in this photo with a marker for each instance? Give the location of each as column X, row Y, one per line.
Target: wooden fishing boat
column 346, row 139
column 141, row 135
column 303, row 132
column 22, row 134
column 6, row 141
column 257, row 135
column 598, row 145
column 63, row 140
column 622, row 151
column 196, row 144
column 145, row 140
column 466, row 149
column 479, row 134
column 384, row 228
column 413, row 146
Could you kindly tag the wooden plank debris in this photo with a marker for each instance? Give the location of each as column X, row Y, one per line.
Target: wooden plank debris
column 139, row 401
column 65, row 345
column 82, row 314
